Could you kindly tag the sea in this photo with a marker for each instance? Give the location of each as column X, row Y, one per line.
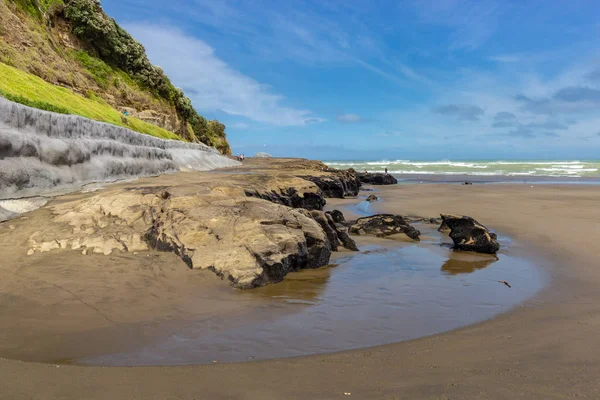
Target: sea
column 554, row 171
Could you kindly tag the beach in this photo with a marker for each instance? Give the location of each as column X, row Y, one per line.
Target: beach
column 543, row 348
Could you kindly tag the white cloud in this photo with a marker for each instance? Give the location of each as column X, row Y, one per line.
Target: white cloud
column 349, row 118
column 210, row 82
column 238, row 125
column 506, row 58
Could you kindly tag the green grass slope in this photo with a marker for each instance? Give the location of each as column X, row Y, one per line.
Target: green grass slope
column 93, row 68
column 28, row 89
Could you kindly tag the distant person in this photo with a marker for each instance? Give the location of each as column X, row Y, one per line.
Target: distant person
column 386, row 171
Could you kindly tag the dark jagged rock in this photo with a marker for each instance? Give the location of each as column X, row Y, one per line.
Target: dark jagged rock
column 468, row 183
column 291, row 198
column 372, row 198
column 384, row 225
column 337, row 216
column 376, row 178
column 336, row 235
column 469, row 235
column 444, row 228
column 339, row 185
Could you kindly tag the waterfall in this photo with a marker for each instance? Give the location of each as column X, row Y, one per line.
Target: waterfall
column 43, row 152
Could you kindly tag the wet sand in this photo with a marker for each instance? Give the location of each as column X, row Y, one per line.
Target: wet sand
column 546, row 348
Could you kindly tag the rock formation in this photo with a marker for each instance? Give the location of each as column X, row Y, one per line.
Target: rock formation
column 337, row 235
column 469, row 235
column 337, row 216
column 209, row 221
column 384, row 225
column 339, row 184
column 262, row 155
column 372, row 198
column 376, row 178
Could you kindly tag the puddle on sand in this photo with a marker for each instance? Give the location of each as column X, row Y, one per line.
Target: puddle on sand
column 389, row 292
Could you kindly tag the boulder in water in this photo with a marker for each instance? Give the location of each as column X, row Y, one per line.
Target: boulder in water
column 372, row 198
column 383, row 225
column 469, row 235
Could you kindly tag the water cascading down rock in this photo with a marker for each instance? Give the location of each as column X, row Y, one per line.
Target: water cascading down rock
column 41, row 152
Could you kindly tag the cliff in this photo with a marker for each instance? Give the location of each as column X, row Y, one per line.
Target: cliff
column 80, row 51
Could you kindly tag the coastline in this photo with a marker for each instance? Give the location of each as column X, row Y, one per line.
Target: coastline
column 542, row 348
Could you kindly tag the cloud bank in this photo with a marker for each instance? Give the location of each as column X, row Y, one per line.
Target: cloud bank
column 210, row 82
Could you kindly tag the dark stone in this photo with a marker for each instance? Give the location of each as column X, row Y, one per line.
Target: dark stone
column 384, row 225
column 468, row 183
column 469, row 235
column 443, row 227
column 372, row 198
column 342, row 184
column 336, row 235
column 290, row 197
column 337, row 216
column 376, row 178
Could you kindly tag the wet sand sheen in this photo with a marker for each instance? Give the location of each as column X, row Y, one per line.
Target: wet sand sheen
column 389, row 292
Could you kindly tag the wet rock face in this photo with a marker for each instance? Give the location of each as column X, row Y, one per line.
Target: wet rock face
column 338, row 185
column 372, row 198
column 469, row 235
column 384, row 225
column 337, row 216
column 291, row 198
column 42, row 151
column 336, row 234
column 376, row 178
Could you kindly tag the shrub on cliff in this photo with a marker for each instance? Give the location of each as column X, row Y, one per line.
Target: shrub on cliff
column 118, row 48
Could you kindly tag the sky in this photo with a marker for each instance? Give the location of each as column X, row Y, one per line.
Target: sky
column 334, row 80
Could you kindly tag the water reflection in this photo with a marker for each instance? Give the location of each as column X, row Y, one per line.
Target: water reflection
column 456, row 265
column 390, row 291
column 306, row 287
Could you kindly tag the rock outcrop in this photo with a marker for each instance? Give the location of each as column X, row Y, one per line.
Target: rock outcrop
column 337, row 215
column 262, row 155
column 383, row 225
column 338, row 184
column 292, row 198
column 469, row 235
column 376, row 178
column 337, row 234
column 248, row 241
column 209, row 221
column 372, row 198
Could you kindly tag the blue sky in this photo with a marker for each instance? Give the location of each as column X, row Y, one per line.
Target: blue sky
column 451, row 79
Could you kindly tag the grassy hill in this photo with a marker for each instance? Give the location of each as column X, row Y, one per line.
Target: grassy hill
column 69, row 56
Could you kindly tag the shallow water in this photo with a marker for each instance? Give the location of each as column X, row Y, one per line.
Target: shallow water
column 390, row 291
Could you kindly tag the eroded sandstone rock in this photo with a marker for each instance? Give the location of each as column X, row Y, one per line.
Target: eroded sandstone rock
column 384, row 225
column 248, row 241
column 469, row 235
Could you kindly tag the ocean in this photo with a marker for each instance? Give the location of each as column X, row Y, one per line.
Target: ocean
column 585, row 170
